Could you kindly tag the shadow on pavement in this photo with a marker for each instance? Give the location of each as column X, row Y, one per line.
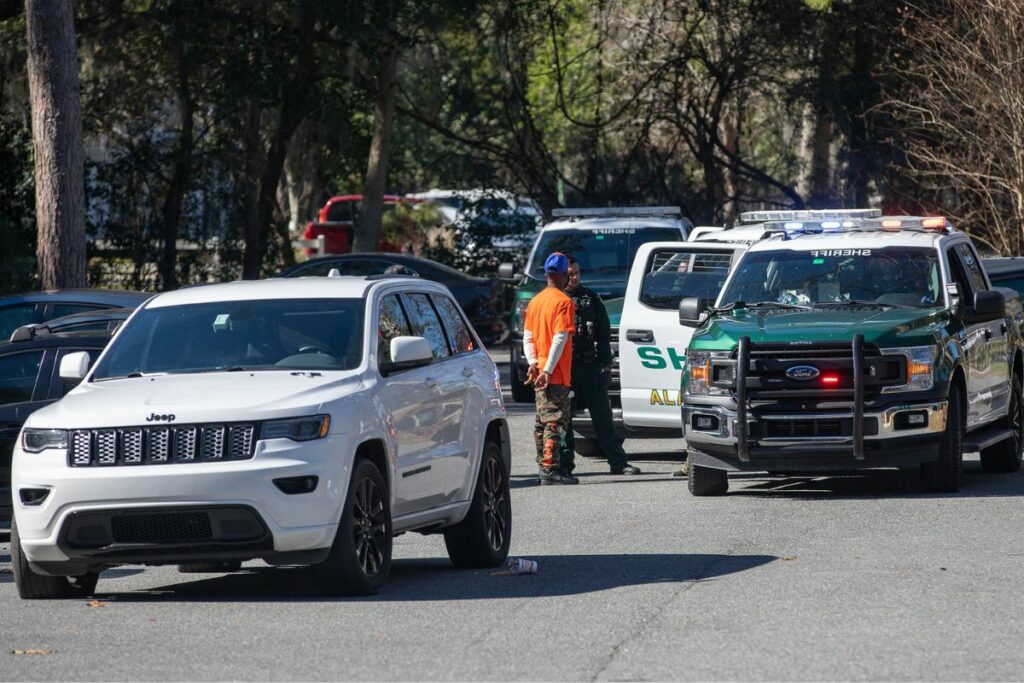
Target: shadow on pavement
column 877, row 484
column 435, row 579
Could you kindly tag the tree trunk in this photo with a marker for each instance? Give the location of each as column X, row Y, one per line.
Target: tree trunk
column 171, row 213
column 367, row 228
column 293, row 111
column 56, row 142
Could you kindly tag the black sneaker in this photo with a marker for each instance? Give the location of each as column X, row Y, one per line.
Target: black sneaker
column 552, row 477
column 626, row 469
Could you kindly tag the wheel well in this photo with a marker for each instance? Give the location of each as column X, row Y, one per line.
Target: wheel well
column 959, row 383
column 497, row 432
column 1018, row 360
column 375, row 452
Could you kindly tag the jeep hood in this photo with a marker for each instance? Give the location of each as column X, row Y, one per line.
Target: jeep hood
column 191, row 398
column 894, row 327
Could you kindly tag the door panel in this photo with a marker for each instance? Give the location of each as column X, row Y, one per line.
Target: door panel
column 652, row 343
column 974, row 342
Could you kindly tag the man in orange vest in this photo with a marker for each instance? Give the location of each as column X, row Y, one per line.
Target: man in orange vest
column 547, row 345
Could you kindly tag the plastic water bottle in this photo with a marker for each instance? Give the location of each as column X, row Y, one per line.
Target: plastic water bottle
column 519, row 565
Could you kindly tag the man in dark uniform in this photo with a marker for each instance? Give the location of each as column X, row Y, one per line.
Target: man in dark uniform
column 591, row 374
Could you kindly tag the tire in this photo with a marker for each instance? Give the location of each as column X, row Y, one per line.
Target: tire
column 1005, row 456
column 360, row 557
column 944, row 475
column 32, row 586
column 482, row 538
column 591, row 448
column 707, row 481
column 521, row 393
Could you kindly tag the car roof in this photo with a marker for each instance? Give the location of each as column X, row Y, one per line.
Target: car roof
column 854, row 239
column 310, row 287
column 112, row 297
column 91, row 339
column 747, row 234
column 618, row 222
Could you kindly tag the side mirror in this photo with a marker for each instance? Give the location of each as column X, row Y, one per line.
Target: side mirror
column 74, row 367
column 691, row 310
column 988, row 305
column 406, row 353
column 507, row 271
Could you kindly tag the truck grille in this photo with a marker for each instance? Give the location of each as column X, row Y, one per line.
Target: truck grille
column 159, row 445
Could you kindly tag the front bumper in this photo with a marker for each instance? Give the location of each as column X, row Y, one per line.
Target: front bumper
column 795, row 441
column 297, row 523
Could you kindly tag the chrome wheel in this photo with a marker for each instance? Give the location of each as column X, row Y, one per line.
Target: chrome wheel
column 369, row 531
column 495, row 502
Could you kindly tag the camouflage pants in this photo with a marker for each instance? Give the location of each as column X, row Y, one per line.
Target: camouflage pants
column 554, row 415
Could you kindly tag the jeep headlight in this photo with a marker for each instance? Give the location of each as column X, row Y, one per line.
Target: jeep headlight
column 519, row 315
column 298, row 428
column 701, row 373
column 920, row 368
column 38, row 440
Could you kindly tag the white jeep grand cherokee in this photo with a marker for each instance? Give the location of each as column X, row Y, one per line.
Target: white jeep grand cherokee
column 303, row 422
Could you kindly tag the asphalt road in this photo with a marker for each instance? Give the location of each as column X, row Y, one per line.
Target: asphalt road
column 829, row 578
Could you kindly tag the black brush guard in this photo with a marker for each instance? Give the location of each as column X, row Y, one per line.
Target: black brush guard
column 742, row 368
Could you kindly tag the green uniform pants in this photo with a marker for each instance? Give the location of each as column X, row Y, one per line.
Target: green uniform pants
column 588, row 387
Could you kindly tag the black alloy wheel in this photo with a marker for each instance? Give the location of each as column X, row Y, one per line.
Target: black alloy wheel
column 369, row 528
column 482, row 538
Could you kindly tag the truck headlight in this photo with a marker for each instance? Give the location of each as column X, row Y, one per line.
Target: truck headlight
column 699, row 363
column 920, row 368
column 298, row 428
column 519, row 315
column 38, row 440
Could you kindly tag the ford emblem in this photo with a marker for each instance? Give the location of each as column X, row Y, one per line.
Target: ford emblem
column 803, row 372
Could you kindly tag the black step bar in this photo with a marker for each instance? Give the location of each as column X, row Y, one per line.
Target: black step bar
column 743, row 365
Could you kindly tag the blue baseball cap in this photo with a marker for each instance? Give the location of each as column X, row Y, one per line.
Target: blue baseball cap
column 557, row 263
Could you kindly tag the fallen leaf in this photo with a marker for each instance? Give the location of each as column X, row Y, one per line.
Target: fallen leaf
column 96, row 603
column 788, row 558
column 32, row 652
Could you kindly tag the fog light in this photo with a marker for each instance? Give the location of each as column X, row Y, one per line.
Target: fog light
column 911, row 419
column 293, row 485
column 704, row 423
column 33, row 496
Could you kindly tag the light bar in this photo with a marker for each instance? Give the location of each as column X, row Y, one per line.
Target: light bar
column 618, row 211
column 807, row 214
column 897, row 223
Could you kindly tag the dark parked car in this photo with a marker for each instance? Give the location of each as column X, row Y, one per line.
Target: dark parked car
column 102, row 320
column 30, row 379
column 480, row 297
column 39, row 307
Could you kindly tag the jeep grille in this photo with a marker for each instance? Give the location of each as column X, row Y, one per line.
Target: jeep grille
column 159, row 445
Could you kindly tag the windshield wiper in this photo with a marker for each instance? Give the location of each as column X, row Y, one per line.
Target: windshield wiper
column 776, row 304
column 861, row 302
column 130, row 375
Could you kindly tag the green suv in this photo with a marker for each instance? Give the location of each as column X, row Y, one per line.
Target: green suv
column 851, row 341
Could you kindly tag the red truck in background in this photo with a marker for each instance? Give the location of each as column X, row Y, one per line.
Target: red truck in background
column 336, row 221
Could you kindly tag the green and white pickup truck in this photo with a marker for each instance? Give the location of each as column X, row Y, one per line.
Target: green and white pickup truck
column 851, row 341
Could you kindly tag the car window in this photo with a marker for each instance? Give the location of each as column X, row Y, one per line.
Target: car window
column 972, row 266
column 455, row 325
column 18, row 372
column 391, row 323
column 960, row 277
column 426, row 324
column 340, row 212
column 677, row 273
column 13, row 317
column 61, row 310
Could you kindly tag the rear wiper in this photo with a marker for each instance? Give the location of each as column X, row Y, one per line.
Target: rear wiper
column 861, row 302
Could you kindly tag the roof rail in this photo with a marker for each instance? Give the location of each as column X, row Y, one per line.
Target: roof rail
column 610, row 211
column 807, row 214
column 30, row 331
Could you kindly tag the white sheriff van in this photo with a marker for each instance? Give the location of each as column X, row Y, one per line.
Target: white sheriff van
column 299, row 421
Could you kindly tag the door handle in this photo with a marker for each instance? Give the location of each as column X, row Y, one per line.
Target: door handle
column 467, row 372
column 640, row 336
column 430, row 381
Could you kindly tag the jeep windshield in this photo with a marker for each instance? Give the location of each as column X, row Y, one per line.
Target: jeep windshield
column 599, row 250
column 834, row 278
column 282, row 334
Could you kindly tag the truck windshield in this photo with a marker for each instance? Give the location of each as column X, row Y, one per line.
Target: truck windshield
column 897, row 276
column 282, row 334
column 599, row 250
